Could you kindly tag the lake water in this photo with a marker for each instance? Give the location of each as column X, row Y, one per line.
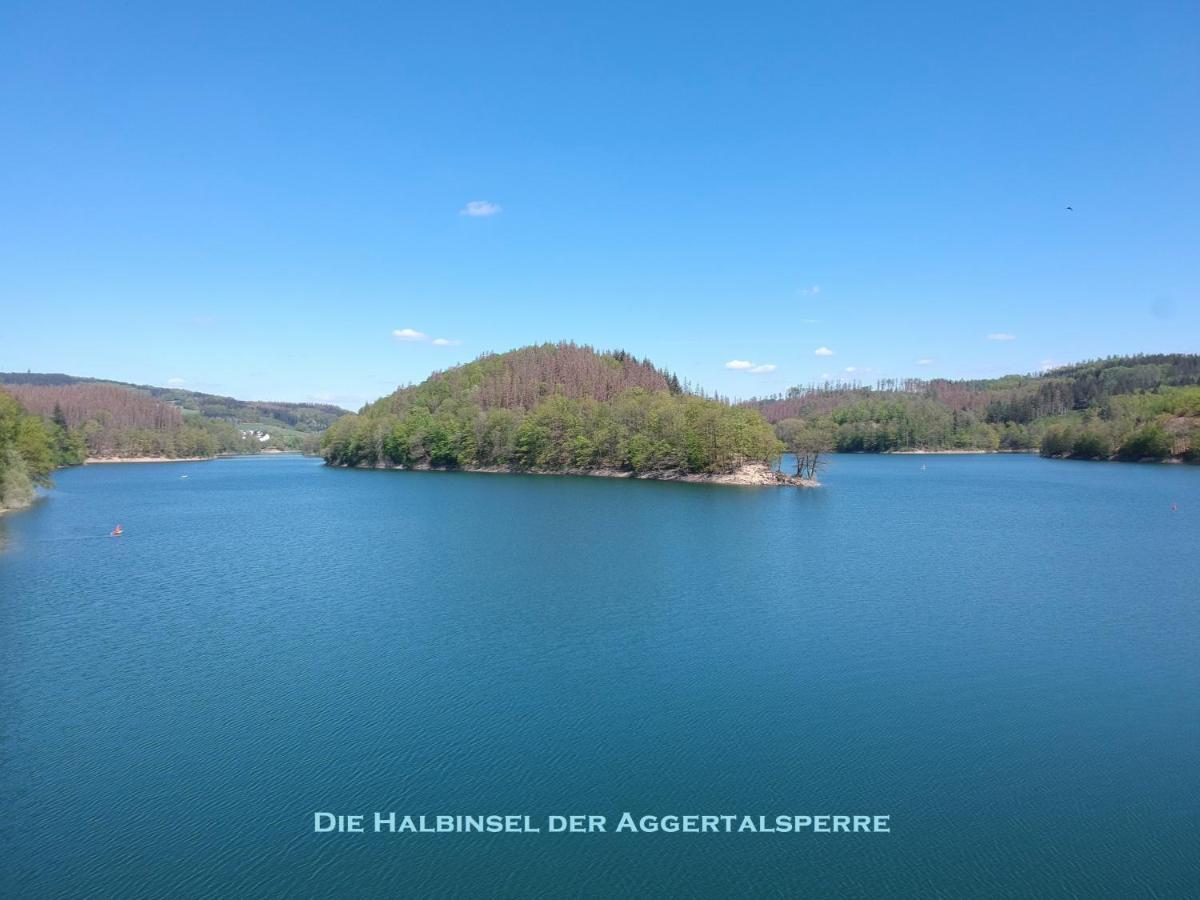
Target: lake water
column 1001, row 653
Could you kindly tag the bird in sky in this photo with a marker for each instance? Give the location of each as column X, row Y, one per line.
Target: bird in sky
column 1071, row 209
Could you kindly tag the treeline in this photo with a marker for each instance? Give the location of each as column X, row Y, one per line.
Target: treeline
column 1161, row 424
column 552, row 407
column 1133, row 407
column 107, row 420
column 886, row 423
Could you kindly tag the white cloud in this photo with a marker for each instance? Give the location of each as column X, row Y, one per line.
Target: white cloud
column 752, row 368
column 810, row 291
column 926, row 361
column 1001, row 336
column 1048, row 364
column 851, row 368
column 480, row 208
column 823, row 351
column 411, row 335
column 175, row 381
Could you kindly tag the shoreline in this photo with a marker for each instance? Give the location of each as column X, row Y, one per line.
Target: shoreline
column 945, row 452
column 108, row 460
column 112, row 460
column 750, row 475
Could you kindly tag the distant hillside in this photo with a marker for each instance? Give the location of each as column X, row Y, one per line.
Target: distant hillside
column 552, row 407
column 109, row 418
column 1129, row 407
column 302, row 417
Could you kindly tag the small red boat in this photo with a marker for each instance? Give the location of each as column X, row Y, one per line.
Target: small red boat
column 116, row 532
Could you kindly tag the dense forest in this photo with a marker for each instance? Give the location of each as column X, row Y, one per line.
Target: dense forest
column 113, row 419
column 552, row 407
column 302, row 417
column 1132, row 407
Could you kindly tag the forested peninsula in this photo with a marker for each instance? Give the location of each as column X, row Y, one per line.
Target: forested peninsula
column 565, row 408
column 560, row 409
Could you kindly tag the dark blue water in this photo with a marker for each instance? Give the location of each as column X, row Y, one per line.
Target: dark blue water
column 1001, row 653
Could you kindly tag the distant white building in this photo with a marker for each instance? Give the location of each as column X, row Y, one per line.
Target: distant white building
column 254, row 431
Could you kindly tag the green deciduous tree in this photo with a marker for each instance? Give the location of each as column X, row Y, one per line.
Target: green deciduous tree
column 27, row 453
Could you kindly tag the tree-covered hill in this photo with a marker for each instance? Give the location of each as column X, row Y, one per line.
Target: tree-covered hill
column 108, row 418
column 1129, row 407
column 552, row 407
column 302, row 417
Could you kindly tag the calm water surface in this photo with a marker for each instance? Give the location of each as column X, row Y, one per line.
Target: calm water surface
column 999, row 652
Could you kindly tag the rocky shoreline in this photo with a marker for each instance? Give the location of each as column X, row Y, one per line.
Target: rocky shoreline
column 749, row 475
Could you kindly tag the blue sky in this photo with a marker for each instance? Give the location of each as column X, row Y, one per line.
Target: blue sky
column 254, row 198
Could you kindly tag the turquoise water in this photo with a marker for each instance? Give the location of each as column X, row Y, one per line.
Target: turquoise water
column 1001, row 653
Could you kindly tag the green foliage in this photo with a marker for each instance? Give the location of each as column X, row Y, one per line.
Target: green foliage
column 67, row 444
column 16, row 487
column 1170, row 401
column 27, row 453
column 1013, row 436
column 1092, row 410
column 806, row 441
column 1192, row 454
column 1148, row 442
column 1057, row 441
column 1091, row 444
column 898, row 422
